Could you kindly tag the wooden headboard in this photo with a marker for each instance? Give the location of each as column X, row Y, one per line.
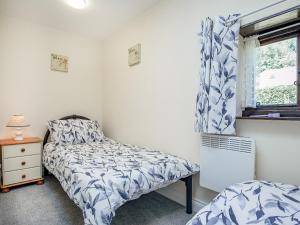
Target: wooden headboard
column 46, row 137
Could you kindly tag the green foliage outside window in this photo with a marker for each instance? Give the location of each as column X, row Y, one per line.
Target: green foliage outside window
column 277, row 55
column 284, row 94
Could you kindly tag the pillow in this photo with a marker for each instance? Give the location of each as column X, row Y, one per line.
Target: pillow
column 86, row 131
column 61, row 131
column 75, row 131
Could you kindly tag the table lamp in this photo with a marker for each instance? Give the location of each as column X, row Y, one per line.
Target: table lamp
column 17, row 122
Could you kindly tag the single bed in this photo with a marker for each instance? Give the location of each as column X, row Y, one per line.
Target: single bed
column 101, row 176
column 253, row 202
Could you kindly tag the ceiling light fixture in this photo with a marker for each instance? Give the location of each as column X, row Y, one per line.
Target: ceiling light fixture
column 78, row 4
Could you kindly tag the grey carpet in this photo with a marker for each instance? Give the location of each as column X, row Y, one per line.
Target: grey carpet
column 48, row 204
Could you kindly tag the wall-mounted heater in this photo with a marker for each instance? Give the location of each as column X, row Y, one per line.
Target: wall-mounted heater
column 226, row 160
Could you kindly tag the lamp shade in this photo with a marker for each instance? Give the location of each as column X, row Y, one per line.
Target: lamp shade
column 17, row 121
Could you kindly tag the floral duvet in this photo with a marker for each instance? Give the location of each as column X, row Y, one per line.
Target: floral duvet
column 101, row 176
column 253, row 202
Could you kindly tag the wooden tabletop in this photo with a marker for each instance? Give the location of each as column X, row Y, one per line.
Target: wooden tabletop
column 27, row 140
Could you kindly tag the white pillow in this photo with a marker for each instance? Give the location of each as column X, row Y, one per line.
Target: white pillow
column 86, row 131
column 75, row 131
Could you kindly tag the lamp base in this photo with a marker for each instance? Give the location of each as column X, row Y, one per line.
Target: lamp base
column 19, row 134
column 19, row 138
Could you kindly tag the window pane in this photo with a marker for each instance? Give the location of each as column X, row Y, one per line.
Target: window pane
column 277, row 73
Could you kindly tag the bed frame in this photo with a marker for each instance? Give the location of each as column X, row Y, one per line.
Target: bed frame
column 186, row 180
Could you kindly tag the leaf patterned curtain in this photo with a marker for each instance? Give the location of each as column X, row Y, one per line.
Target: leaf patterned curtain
column 216, row 99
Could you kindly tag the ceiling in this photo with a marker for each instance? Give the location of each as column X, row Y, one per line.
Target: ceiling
column 99, row 19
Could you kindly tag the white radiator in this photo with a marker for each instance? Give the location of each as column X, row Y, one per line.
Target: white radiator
column 226, row 160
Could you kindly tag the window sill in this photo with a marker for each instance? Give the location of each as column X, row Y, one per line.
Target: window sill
column 289, row 113
column 268, row 118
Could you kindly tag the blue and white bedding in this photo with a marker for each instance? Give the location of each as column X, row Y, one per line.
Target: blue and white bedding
column 253, row 202
column 101, row 176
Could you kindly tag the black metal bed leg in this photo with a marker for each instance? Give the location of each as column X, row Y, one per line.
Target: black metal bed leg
column 189, row 204
column 46, row 172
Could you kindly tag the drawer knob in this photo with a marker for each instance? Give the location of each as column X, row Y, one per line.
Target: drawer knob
column 23, row 163
column 22, row 149
column 23, row 176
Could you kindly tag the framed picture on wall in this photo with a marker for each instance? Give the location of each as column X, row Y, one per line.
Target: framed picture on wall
column 59, row 63
column 134, row 55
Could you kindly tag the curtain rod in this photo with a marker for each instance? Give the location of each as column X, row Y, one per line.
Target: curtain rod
column 256, row 11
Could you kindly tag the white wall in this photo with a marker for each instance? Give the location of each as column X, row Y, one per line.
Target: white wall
column 29, row 87
column 153, row 104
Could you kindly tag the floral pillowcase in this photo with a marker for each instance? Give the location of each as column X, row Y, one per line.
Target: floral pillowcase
column 73, row 131
column 86, row 131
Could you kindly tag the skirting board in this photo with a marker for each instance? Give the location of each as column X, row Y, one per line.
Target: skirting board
column 180, row 198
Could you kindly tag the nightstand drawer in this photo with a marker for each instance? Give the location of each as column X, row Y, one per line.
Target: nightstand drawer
column 10, row 151
column 20, row 163
column 19, row 176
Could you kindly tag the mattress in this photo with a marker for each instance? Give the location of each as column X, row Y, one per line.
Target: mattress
column 101, row 176
column 253, row 202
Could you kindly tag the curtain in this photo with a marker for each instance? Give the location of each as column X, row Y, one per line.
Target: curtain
column 248, row 71
column 216, row 99
column 202, row 107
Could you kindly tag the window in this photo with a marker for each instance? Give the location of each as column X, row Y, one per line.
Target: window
column 277, row 81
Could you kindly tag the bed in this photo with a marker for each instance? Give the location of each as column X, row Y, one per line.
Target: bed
column 253, row 202
column 101, row 176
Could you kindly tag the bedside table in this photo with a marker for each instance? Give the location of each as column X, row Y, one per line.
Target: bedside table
column 21, row 162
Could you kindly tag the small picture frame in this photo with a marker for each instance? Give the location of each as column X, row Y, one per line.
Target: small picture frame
column 134, row 55
column 59, row 63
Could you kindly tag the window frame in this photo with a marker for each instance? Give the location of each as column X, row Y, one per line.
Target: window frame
column 285, row 110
